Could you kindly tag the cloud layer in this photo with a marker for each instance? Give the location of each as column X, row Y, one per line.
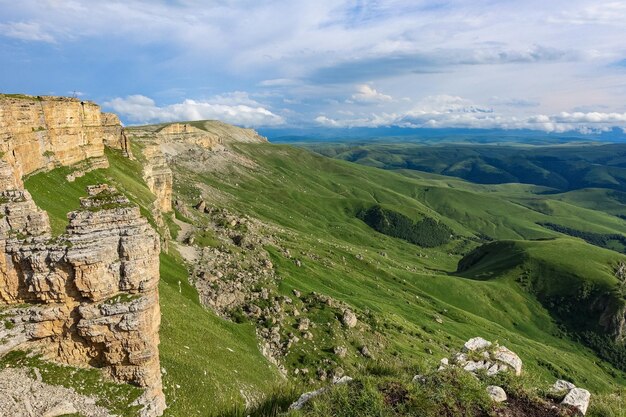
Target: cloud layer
column 335, row 62
column 244, row 112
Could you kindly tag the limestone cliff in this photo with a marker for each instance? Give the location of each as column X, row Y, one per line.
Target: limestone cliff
column 158, row 176
column 43, row 132
column 114, row 134
column 89, row 297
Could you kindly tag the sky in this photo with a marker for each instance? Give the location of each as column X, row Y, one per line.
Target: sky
column 549, row 65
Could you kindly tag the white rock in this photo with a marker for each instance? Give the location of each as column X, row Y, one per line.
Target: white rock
column 509, row 358
column 562, row 385
column 477, row 343
column 472, row 366
column 444, row 362
column 496, row 393
column 305, row 398
column 418, row 379
column 61, row 409
column 343, row 380
column 308, row 396
column 349, row 319
column 578, row 398
column 493, row 370
column 460, row 358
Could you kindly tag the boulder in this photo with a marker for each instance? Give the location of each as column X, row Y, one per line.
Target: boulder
column 562, row 385
column 577, row 398
column 508, row 358
column 349, row 318
column 476, row 344
column 496, row 393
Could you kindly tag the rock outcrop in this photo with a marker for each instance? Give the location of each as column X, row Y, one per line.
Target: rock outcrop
column 42, row 132
column 114, row 134
column 480, row 354
column 89, row 297
column 158, row 176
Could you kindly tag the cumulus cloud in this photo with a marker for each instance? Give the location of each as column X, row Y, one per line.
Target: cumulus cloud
column 368, row 94
column 142, row 109
column 446, row 111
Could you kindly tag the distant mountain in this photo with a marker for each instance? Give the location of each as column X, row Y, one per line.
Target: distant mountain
column 561, row 167
column 399, row 134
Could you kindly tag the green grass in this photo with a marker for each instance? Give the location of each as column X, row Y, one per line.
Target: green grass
column 396, row 289
column 54, row 194
column 207, row 359
column 209, row 362
column 316, row 199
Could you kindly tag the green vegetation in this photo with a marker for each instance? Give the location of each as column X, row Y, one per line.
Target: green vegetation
column 563, row 167
column 209, row 363
column 609, row 241
column 398, row 290
column 53, row 193
column 426, row 232
column 416, row 304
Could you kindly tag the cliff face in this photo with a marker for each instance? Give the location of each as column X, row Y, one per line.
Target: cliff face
column 114, row 134
column 89, row 297
column 43, row 132
column 158, row 176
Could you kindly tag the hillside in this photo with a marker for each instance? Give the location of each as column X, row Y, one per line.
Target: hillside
column 564, row 167
column 271, row 285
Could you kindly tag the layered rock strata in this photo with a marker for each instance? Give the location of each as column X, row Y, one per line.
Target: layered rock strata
column 88, row 298
column 158, row 176
column 43, row 132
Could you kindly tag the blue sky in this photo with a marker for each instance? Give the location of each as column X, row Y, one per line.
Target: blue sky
column 547, row 65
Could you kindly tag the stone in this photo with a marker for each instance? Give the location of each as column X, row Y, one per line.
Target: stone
column 496, row 393
column 577, row 398
column 91, row 292
column 508, row 358
column 158, row 177
column 349, row 319
column 308, row 396
column 365, row 352
column 341, row 351
column 418, row 379
column 562, row 385
column 37, row 133
column 304, row 323
column 61, row 409
column 200, row 206
column 476, row 344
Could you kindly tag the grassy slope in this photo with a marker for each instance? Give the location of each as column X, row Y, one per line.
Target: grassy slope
column 317, row 197
column 203, row 375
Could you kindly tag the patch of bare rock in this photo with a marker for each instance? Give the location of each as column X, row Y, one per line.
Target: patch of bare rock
column 24, row 396
column 483, row 358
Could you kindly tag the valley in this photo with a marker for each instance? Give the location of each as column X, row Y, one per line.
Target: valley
column 272, row 285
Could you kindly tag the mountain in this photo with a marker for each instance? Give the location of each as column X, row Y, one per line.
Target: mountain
column 270, row 282
column 564, row 167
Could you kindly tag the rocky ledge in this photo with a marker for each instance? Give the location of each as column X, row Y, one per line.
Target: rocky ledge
column 89, row 297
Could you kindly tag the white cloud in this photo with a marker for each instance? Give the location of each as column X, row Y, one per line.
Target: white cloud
column 368, row 94
column 445, row 111
column 142, row 109
column 26, row 31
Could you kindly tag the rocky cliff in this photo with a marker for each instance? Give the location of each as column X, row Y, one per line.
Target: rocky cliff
column 43, row 132
column 89, row 297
